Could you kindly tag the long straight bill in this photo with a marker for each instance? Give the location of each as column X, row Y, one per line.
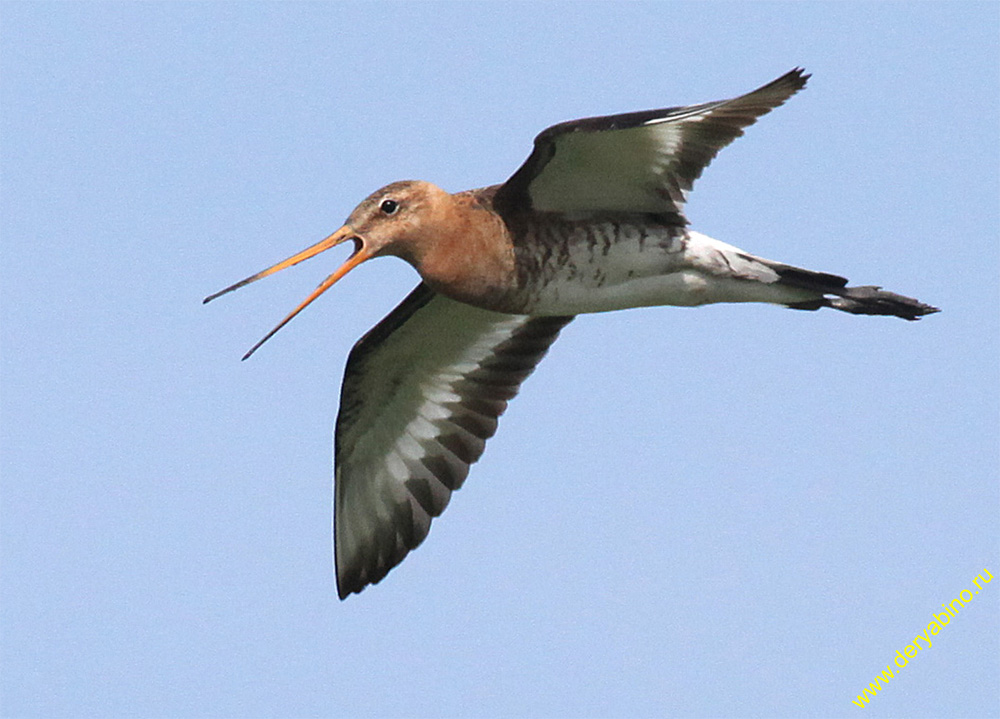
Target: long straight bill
column 344, row 233
column 333, row 240
column 353, row 261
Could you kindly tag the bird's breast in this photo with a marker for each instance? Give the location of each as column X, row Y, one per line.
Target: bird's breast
column 472, row 261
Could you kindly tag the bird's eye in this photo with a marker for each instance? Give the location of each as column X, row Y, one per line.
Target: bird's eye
column 389, row 207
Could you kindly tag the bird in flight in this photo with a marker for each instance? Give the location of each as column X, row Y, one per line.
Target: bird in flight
column 592, row 221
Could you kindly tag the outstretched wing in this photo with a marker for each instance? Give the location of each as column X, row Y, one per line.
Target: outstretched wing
column 421, row 395
column 636, row 162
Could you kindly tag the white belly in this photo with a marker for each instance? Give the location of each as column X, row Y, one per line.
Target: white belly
column 649, row 267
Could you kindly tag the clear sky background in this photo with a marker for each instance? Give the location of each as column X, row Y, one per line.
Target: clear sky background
column 728, row 511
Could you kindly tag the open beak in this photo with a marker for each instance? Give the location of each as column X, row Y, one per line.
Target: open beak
column 343, row 234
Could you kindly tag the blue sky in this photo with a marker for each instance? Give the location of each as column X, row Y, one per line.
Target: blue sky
column 727, row 511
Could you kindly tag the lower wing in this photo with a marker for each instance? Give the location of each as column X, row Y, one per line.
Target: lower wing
column 422, row 393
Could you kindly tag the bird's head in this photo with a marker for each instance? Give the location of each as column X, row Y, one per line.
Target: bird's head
column 399, row 219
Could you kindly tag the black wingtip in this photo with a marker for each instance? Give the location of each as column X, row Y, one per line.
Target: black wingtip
column 796, row 78
column 348, row 585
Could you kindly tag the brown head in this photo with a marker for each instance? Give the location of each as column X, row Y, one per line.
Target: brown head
column 406, row 219
column 401, row 219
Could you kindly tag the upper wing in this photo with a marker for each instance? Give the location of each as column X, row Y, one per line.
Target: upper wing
column 421, row 395
column 637, row 162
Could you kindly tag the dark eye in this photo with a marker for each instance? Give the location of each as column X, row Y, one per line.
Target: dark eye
column 389, row 207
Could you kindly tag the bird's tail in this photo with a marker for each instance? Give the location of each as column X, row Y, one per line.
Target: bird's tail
column 863, row 300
